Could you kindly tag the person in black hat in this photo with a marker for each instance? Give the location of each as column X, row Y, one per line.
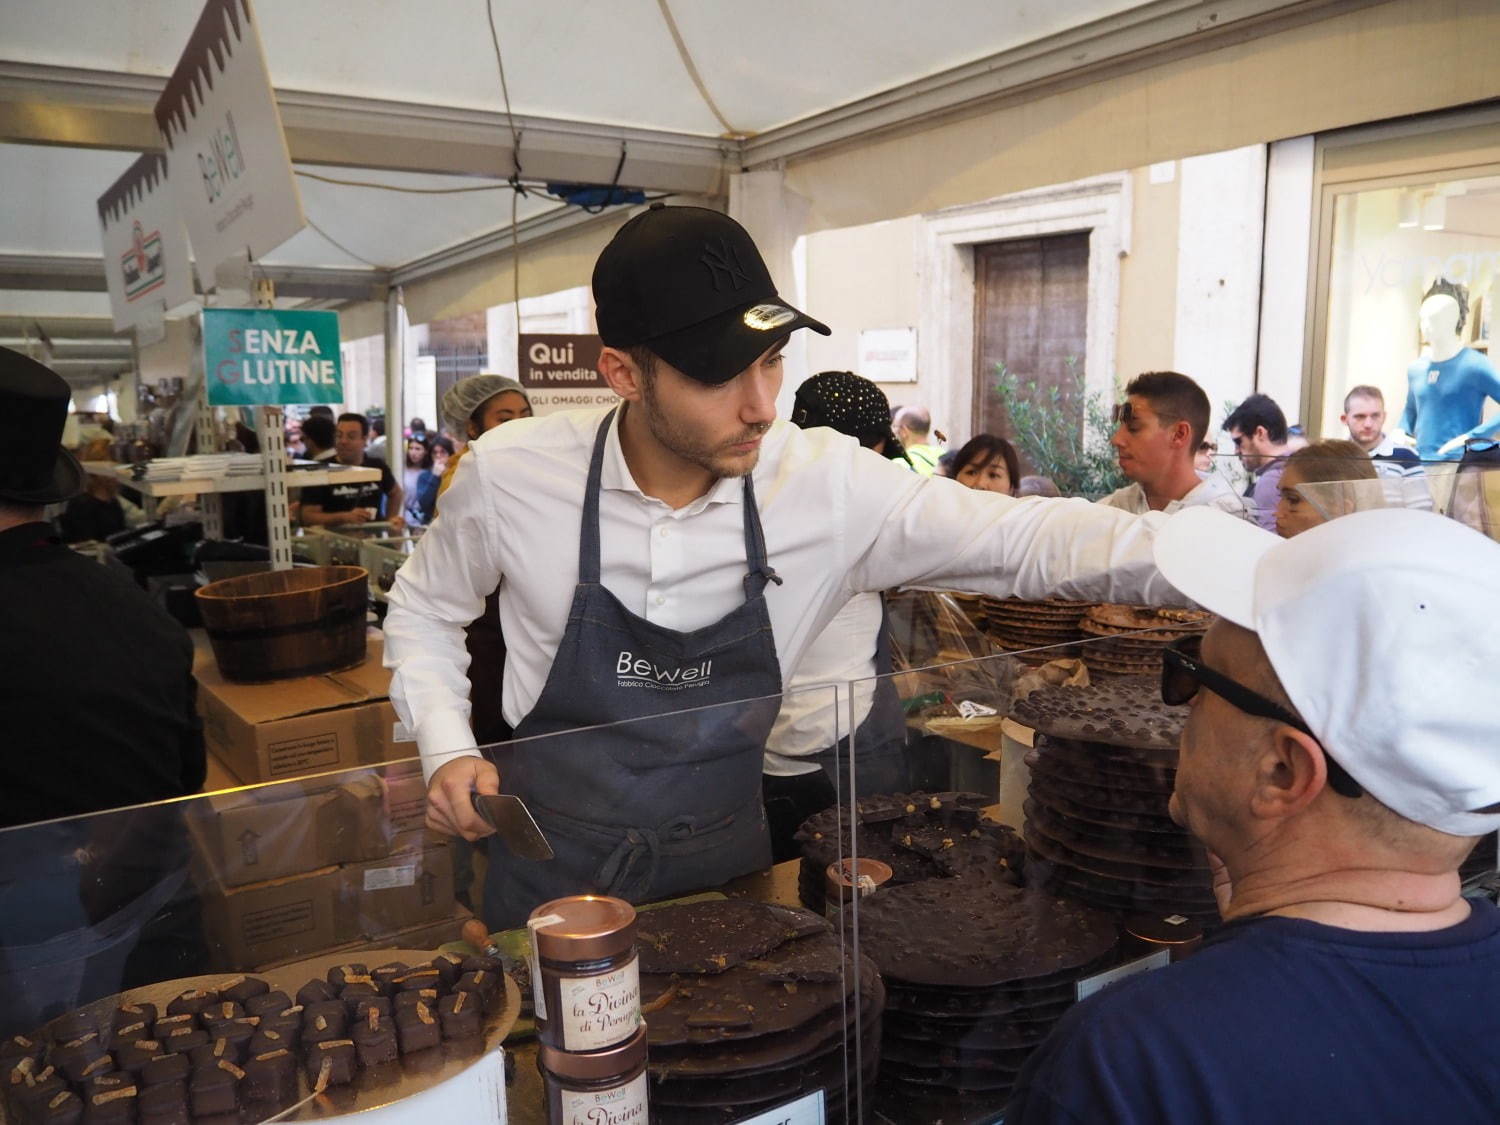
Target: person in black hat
column 97, row 690
column 693, row 551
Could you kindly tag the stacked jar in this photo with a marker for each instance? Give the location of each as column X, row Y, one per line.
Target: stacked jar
column 586, row 989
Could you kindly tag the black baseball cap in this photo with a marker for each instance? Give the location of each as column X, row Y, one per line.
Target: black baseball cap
column 689, row 284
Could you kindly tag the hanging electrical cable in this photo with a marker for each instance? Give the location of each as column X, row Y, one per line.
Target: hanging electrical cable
column 692, row 68
column 515, row 153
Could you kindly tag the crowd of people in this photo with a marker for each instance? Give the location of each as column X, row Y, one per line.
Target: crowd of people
column 584, row 567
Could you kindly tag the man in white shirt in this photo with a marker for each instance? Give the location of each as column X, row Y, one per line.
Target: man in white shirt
column 712, row 546
column 1160, row 426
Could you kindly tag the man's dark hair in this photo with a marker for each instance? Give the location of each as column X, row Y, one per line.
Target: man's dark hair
column 645, row 359
column 1175, row 398
column 321, row 411
column 1364, row 390
column 1442, row 287
column 364, row 423
column 1256, row 411
column 320, row 431
column 378, row 425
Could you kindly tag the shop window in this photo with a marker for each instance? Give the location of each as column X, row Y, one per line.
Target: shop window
column 1393, row 250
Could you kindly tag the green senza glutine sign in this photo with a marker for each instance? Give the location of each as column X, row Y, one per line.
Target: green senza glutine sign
column 263, row 356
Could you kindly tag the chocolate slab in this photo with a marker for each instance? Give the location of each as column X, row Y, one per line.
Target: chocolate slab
column 1123, row 712
column 316, row 991
column 271, row 1077
column 191, row 1002
column 768, row 1052
column 739, row 1003
column 1132, row 871
column 978, row 933
column 167, row 1068
column 716, row 935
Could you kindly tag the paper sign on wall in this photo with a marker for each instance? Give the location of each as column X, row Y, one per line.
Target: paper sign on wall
column 888, row 355
column 560, row 372
column 257, row 357
column 145, row 247
column 227, row 159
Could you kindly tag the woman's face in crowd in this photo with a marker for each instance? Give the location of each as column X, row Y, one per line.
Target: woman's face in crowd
column 987, row 476
column 439, row 459
column 506, row 406
column 415, row 453
column 1294, row 512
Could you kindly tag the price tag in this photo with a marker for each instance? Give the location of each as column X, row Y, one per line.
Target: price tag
column 806, row 1110
column 968, row 709
column 1086, row 987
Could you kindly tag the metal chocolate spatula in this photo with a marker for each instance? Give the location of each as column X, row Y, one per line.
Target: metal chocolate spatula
column 512, row 821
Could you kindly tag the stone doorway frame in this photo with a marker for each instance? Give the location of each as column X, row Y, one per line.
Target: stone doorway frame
column 1100, row 205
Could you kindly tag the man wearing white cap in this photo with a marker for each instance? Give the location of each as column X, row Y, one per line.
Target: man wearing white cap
column 1341, row 760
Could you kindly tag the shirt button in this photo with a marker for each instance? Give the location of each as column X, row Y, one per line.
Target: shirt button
column 661, row 599
column 663, row 533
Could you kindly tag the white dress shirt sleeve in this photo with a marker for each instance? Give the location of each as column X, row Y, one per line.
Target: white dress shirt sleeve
column 437, row 592
column 907, row 530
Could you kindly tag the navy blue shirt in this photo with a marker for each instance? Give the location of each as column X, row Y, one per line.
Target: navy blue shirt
column 1282, row 1020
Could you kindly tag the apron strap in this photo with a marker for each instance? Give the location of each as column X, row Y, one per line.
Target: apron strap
column 588, row 539
column 761, row 572
column 757, row 578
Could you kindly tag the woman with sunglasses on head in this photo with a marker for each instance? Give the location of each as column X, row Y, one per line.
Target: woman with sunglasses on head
column 989, row 463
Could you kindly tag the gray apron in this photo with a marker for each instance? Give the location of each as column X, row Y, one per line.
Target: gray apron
column 666, row 804
column 879, row 741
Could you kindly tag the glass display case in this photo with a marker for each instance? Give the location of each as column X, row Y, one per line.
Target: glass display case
column 332, row 888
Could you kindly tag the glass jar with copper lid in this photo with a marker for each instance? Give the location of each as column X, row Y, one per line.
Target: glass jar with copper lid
column 586, row 978
column 599, row 1088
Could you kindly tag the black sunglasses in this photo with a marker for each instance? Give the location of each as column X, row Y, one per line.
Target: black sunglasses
column 1183, row 670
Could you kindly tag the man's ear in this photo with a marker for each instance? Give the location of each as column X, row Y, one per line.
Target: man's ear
column 1181, row 434
column 621, row 373
column 1290, row 774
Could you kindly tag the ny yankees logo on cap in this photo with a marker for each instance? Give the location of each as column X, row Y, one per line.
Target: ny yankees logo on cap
column 723, row 264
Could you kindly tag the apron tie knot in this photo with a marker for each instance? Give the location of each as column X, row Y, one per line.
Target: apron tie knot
column 621, row 873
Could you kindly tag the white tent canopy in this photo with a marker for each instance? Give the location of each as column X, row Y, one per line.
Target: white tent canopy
column 409, row 95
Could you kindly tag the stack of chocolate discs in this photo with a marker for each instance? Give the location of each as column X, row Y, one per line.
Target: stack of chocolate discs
column 1021, row 626
column 749, row 1005
column 919, row 835
column 1117, row 646
column 976, row 974
column 1097, row 827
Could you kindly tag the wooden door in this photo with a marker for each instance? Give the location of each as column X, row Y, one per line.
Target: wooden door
column 1031, row 314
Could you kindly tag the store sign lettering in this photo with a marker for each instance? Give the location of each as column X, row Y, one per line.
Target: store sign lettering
column 224, row 161
column 269, row 356
column 633, row 671
column 1418, row 269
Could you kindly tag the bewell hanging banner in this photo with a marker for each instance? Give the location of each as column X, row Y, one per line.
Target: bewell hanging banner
column 560, row 372
column 145, row 248
column 256, row 357
column 226, row 154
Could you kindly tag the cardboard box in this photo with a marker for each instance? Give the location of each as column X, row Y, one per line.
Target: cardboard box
column 429, row 935
column 293, row 728
column 253, row 836
column 282, row 919
column 405, row 799
column 400, row 891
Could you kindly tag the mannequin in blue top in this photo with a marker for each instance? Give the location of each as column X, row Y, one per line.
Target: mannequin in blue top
column 1446, row 390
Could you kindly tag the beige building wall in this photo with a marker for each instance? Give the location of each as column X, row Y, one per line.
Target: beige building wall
column 860, row 278
column 1369, row 64
column 1148, row 274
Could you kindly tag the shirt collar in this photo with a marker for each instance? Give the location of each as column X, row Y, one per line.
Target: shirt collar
column 17, row 543
column 615, row 476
